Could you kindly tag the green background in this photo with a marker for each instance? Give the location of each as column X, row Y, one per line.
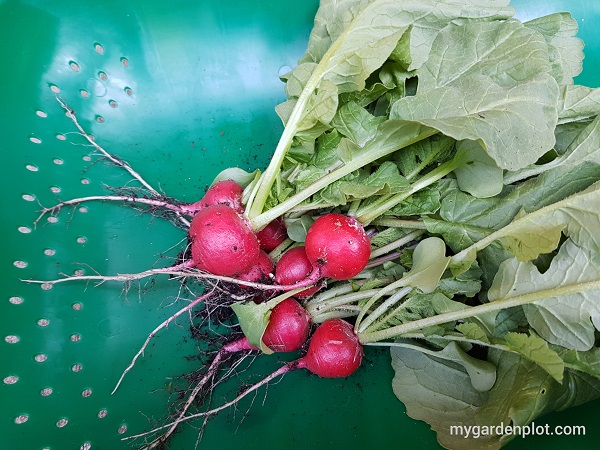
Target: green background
column 196, row 96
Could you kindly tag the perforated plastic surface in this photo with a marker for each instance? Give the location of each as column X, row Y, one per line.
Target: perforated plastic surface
column 181, row 90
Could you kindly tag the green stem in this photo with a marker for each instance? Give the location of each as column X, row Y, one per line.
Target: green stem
column 531, row 171
column 354, row 207
column 292, row 128
column 400, row 223
column 396, row 244
column 386, row 318
column 280, row 249
column 334, row 314
column 493, row 306
column 364, row 158
column 381, row 309
column 388, row 290
column 376, row 209
column 316, row 309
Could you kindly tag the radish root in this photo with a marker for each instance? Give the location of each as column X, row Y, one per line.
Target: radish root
column 155, row 331
column 288, row 367
column 112, row 158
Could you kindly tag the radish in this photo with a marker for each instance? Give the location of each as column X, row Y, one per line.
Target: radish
column 261, row 271
column 338, row 246
column 288, row 327
column 222, row 241
column 294, row 267
column 225, row 192
column 272, row 235
column 334, row 350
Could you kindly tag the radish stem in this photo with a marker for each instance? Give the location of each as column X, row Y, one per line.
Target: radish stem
column 497, row 305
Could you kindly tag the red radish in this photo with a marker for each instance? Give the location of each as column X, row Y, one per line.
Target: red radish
column 260, row 271
column 338, row 245
column 288, row 328
column 334, row 350
column 222, row 241
column 272, row 235
column 293, row 267
column 225, row 192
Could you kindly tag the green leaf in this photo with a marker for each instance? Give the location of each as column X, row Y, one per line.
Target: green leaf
column 529, row 235
column 295, row 81
column 528, row 244
column 425, row 201
column 386, row 179
column 429, row 263
column 319, row 110
column 525, row 391
column 483, row 78
column 473, row 331
column 510, row 319
column 587, row 362
column 440, row 393
column 351, row 40
column 416, row 307
column 414, row 158
column 467, row 220
column 326, row 154
column 536, row 350
column 284, row 110
column 238, row 175
column 467, row 283
column 298, row 227
column 567, row 309
column 480, row 177
column 566, row 51
column 356, row 123
column 253, row 319
column 584, row 148
column 579, row 103
column 387, row 236
column 482, row 374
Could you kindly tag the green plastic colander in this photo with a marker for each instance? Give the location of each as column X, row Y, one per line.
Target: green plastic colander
column 180, row 90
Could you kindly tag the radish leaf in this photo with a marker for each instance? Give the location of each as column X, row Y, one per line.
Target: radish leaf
column 507, row 64
column 568, row 319
column 440, row 393
column 253, row 319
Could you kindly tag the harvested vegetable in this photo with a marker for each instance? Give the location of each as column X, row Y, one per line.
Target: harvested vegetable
column 440, row 169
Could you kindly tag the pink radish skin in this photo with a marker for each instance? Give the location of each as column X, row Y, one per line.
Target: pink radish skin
column 338, row 246
column 260, row 271
column 288, row 328
column 222, row 241
column 225, row 192
column 272, row 235
column 294, row 266
column 334, row 350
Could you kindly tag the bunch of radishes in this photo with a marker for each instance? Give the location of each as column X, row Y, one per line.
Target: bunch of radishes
column 336, row 247
column 275, row 272
column 223, row 243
